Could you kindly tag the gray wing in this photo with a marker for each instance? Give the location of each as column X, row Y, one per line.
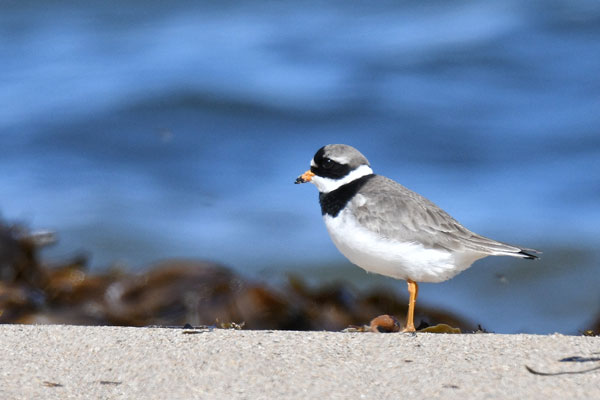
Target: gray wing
column 397, row 213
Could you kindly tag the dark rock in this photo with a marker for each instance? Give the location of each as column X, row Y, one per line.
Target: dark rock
column 179, row 292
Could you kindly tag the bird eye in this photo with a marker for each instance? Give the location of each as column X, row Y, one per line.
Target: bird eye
column 327, row 163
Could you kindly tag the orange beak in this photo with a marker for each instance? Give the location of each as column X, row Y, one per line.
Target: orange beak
column 305, row 177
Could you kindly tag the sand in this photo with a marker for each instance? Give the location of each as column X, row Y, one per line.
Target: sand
column 73, row 362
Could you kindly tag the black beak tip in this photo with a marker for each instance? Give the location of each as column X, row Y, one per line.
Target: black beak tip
column 299, row 180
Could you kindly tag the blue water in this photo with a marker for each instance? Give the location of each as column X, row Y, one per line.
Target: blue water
column 146, row 130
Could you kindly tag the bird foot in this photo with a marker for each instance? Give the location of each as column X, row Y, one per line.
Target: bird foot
column 388, row 323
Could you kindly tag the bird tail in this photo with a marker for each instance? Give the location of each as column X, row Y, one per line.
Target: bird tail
column 528, row 254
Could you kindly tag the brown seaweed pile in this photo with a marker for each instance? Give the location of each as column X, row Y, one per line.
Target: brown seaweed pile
column 178, row 292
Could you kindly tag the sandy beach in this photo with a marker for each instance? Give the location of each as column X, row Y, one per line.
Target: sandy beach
column 78, row 362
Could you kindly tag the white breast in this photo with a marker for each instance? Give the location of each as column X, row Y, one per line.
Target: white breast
column 401, row 260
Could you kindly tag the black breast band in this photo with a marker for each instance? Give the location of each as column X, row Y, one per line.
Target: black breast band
column 333, row 202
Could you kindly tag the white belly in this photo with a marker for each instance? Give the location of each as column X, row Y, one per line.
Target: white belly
column 401, row 260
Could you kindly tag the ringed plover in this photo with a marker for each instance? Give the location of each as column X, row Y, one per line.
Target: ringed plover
column 385, row 228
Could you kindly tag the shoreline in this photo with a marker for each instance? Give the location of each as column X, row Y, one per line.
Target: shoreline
column 66, row 361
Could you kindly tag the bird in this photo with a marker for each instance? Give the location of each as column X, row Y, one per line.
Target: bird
column 386, row 228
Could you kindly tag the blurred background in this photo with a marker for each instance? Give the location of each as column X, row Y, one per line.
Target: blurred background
column 143, row 131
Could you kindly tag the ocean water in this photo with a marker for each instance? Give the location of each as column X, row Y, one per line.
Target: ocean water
column 145, row 130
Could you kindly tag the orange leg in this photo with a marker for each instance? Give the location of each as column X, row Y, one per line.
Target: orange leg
column 413, row 291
